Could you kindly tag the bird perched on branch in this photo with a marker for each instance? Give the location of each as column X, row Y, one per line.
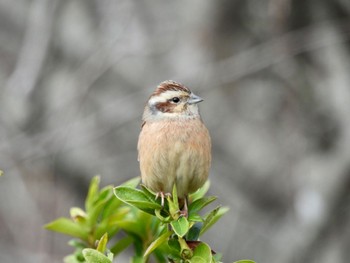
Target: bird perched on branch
column 174, row 145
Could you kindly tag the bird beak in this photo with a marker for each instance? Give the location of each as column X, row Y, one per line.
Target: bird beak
column 194, row 99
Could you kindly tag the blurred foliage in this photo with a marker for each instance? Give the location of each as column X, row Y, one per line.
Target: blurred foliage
column 163, row 232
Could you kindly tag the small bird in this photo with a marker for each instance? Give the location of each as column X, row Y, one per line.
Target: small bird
column 174, row 145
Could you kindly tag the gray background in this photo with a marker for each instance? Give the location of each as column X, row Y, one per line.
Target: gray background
column 275, row 75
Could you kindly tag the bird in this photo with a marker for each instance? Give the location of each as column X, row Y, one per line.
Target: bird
column 174, row 145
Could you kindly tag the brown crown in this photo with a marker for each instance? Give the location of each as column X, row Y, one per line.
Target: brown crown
column 170, row 85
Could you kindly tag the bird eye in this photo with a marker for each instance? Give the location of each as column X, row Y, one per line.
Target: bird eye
column 175, row 99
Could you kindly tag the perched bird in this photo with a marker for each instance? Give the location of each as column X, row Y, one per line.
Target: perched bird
column 174, row 145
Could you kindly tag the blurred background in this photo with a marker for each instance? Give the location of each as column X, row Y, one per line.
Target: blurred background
column 275, row 76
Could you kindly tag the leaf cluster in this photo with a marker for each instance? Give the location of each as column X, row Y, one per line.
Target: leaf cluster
column 116, row 218
column 179, row 240
column 104, row 217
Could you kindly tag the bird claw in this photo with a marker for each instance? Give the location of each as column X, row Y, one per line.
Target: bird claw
column 183, row 213
column 162, row 196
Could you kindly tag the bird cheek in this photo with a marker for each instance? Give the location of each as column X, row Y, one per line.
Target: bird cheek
column 179, row 108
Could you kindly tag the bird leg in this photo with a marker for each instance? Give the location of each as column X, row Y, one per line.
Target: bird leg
column 162, row 196
column 184, row 211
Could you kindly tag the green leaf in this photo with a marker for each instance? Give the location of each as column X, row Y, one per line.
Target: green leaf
column 202, row 254
column 200, row 192
column 78, row 214
column 148, row 192
column 94, row 256
column 127, row 194
column 109, row 224
column 185, row 250
column 111, row 207
column 175, row 198
column 77, row 256
column 159, row 215
column 180, row 226
column 92, row 193
column 174, row 245
column 68, row 227
column 161, row 256
column 136, row 198
column 138, row 259
column 156, row 243
column 132, row 226
column 96, row 208
column 1, row 173
column 194, row 218
column 244, row 261
column 152, row 196
column 120, row 214
column 102, row 243
column 200, row 203
column 213, row 217
column 121, row 245
column 105, row 194
column 193, row 233
column 173, row 203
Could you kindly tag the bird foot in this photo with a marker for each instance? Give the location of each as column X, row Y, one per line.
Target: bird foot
column 162, row 196
column 184, row 211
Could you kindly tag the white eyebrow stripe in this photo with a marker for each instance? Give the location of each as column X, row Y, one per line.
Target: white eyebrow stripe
column 154, row 100
column 163, row 97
